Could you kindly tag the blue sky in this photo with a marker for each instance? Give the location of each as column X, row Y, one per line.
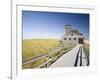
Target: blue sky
column 41, row 25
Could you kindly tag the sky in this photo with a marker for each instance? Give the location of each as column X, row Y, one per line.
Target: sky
column 44, row 25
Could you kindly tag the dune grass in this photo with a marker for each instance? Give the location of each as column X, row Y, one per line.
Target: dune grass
column 87, row 51
column 86, row 48
column 37, row 47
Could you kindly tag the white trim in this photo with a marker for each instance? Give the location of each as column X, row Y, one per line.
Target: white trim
column 51, row 72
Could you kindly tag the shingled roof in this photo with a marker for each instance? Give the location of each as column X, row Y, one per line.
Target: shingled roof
column 76, row 32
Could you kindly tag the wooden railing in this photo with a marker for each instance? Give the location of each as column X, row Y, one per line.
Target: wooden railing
column 50, row 60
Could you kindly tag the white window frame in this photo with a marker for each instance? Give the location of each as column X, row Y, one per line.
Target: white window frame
column 16, row 72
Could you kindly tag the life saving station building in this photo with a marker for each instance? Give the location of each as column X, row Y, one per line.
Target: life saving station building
column 72, row 36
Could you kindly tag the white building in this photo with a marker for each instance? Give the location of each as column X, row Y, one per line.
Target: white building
column 72, row 36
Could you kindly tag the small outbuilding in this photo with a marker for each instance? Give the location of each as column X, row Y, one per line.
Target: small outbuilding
column 72, row 36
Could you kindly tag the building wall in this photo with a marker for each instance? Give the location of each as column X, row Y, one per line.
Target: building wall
column 71, row 39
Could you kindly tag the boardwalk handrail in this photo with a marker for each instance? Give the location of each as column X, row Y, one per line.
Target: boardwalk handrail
column 77, row 56
column 43, row 56
column 51, row 60
column 54, row 58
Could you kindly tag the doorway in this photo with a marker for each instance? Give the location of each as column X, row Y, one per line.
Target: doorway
column 80, row 40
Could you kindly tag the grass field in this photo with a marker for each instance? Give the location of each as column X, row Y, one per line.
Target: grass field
column 86, row 47
column 37, row 47
column 87, row 50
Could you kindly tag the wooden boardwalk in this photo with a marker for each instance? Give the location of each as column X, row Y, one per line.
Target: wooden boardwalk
column 75, row 57
column 70, row 58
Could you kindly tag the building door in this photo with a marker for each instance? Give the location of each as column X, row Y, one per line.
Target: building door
column 80, row 40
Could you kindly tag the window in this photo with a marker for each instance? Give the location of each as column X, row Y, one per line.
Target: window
column 64, row 38
column 74, row 38
column 72, row 34
column 69, row 38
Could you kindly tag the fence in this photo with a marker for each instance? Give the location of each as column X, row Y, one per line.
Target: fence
column 60, row 51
